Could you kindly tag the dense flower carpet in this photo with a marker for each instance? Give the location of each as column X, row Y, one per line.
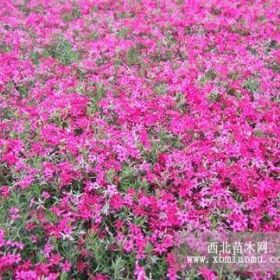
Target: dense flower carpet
column 124, row 123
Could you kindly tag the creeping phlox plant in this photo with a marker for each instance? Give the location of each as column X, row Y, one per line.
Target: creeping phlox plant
column 123, row 123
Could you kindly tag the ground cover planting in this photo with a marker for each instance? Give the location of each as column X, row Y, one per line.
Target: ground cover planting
column 125, row 123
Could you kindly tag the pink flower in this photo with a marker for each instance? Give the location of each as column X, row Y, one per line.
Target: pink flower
column 66, row 266
column 25, row 182
column 14, row 213
column 5, row 191
column 22, row 275
column 139, row 272
column 207, row 274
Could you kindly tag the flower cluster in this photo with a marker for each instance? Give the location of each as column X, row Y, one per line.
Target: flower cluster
column 124, row 122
